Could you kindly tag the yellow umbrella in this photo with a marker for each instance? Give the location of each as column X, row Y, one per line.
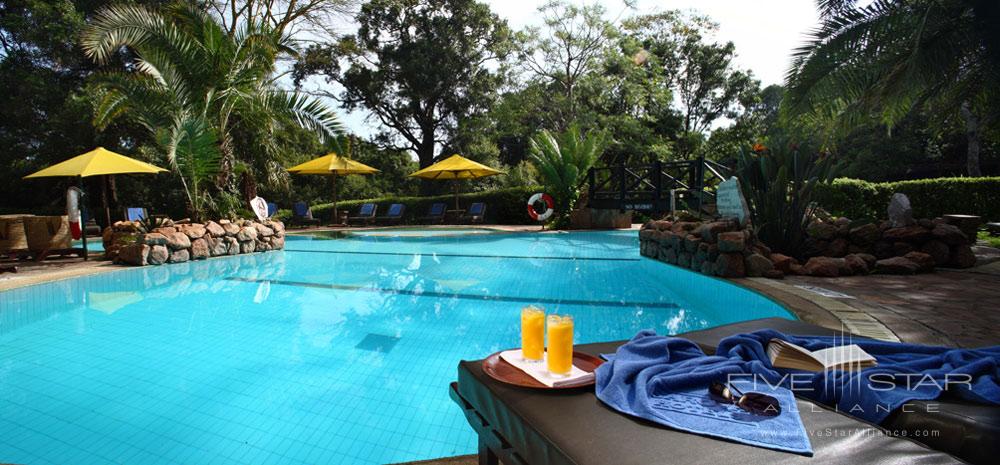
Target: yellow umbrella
column 332, row 165
column 97, row 162
column 456, row 167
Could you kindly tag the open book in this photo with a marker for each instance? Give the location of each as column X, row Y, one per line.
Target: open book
column 784, row 354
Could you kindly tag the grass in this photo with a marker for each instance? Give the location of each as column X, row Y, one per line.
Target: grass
column 992, row 241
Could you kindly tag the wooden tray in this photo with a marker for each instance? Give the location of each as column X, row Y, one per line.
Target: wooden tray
column 498, row 369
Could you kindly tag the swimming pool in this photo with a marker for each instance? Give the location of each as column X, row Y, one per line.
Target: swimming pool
column 333, row 351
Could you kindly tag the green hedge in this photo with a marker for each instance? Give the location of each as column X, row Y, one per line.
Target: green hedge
column 503, row 206
column 857, row 199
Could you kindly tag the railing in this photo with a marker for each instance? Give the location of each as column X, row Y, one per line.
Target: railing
column 654, row 188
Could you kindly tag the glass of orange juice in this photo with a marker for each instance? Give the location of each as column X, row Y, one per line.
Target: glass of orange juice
column 560, row 348
column 533, row 333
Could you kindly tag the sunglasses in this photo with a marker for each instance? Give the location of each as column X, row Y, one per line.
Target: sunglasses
column 753, row 402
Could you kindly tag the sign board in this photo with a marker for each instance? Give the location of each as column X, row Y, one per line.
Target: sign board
column 730, row 202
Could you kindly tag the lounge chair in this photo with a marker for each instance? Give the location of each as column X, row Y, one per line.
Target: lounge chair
column 436, row 213
column 394, row 215
column 302, row 215
column 573, row 427
column 476, row 214
column 136, row 214
column 13, row 241
column 366, row 215
column 49, row 235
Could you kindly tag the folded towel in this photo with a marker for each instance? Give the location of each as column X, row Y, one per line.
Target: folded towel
column 665, row 380
column 905, row 372
column 540, row 372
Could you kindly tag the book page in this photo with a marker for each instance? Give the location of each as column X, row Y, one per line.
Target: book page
column 842, row 355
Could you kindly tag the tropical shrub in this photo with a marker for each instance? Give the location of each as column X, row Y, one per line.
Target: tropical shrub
column 778, row 180
column 857, row 199
column 563, row 161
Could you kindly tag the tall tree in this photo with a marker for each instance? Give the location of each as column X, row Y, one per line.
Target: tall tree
column 701, row 73
column 568, row 48
column 417, row 66
column 204, row 95
column 889, row 57
column 282, row 16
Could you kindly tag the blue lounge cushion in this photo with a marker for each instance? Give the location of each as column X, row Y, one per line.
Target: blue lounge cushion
column 300, row 209
column 477, row 208
column 367, row 209
column 395, row 209
column 437, row 209
column 135, row 213
column 272, row 209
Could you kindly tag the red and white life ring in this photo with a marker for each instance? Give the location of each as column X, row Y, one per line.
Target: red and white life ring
column 73, row 195
column 549, row 206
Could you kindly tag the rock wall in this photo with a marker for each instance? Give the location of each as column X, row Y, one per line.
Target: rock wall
column 715, row 248
column 126, row 243
column 915, row 247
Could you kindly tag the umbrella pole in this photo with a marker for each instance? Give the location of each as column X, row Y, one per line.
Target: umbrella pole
column 456, row 193
column 104, row 200
column 83, row 218
column 336, row 215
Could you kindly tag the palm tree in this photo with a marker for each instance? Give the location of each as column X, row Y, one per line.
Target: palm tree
column 209, row 98
column 563, row 161
column 889, row 57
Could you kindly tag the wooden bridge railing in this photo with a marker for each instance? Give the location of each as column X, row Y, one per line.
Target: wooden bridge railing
column 648, row 188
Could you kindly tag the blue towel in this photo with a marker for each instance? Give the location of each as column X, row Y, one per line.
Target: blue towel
column 666, row 379
column 905, row 372
column 135, row 214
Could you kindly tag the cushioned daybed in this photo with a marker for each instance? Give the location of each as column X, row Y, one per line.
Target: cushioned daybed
column 523, row 426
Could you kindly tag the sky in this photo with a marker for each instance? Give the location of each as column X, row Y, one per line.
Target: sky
column 765, row 32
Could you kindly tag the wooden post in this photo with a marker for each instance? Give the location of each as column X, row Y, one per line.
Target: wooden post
column 657, row 185
column 83, row 218
column 104, row 201
column 621, row 187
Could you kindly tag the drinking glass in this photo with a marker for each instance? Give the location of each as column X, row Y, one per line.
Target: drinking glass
column 560, row 347
column 533, row 333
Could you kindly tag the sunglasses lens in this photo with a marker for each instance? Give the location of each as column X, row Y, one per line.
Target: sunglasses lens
column 719, row 390
column 760, row 404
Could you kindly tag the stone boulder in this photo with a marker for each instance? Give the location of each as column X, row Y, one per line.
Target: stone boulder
column 199, row 249
column 730, row 265
column 263, row 231
column 158, row 255
column 856, row 264
column 232, row 245
column 914, row 234
column 899, row 210
column 154, row 239
column 709, row 232
column 215, row 229
column 732, row 241
column 216, row 246
column 828, row 267
column 179, row 256
column 165, row 230
column 278, row 242
column 822, row 231
column 247, row 234
column 178, row 241
column 231, row 229
column 837, row 248
column 949, row 234
column 782, row 262
column 757, row 265
column 133, row 254
column 938, row 250
column 195, row 231
column 925, row 263
column 865, row 234
column 896, row 265
column 691, row 243
column 248, row 246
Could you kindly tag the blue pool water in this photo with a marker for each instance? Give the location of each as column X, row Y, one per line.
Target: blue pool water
column 333, row 351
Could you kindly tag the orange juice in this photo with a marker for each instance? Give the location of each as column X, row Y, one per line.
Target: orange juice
column 533, row 333
column 560, row 348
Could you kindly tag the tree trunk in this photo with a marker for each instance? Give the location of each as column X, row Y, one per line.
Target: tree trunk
column 425, row 156
column 972, row 134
